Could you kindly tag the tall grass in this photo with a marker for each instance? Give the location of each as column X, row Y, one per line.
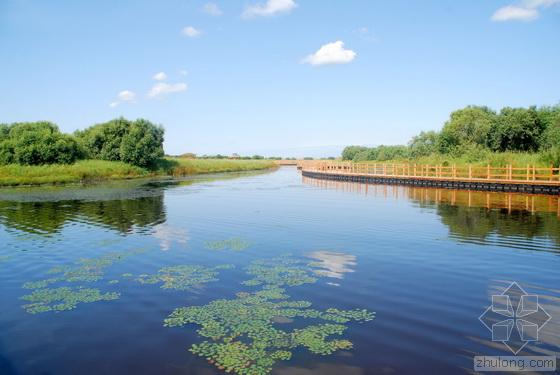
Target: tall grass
column 482, row 158
column 185, row 167
column 81, row 171
column 100, row 170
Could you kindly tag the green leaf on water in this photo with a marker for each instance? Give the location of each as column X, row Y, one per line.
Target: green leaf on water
column 243, row 334
column 235, row 244
column 64, row 298
column 182, row 277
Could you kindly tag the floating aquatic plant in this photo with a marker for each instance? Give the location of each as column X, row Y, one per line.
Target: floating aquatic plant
column 64, row 298
column 84, row 270
column 280, row 271
column 235, row 244
column 242, row 334
column 45, row 299
column 183, row 277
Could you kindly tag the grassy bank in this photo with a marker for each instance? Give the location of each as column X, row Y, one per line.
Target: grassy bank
column 494, row 159
column 98, row 170
column 185, row 167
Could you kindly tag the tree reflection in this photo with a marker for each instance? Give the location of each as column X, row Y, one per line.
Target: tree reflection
column 472, row 215
column 122, row 215
column 482, row 223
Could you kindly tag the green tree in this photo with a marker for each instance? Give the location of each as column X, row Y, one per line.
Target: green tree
column 350, row 152
column 137, row 142
column 550, row 119
column 142, row 143
column 423, row 144
column 516, row 129
column 469, row 125
column 36, row 143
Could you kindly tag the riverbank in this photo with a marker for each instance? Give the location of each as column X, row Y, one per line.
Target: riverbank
column 482, row 159
column 90, row 171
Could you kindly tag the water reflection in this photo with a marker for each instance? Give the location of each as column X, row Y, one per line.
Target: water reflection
column 124, row 206
column 46, row 218
column 473, row 216
column 168, row 234
column 333, row 264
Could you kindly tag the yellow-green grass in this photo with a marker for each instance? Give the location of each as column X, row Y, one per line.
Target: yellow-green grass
column 186, row 167
column 81, row 171
column 87, row 171
column 494, row 159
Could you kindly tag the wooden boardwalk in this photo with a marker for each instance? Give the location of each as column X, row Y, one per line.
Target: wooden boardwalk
column 529, row 179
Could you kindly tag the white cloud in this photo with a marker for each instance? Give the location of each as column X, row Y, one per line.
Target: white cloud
column 212, row 9
column 161, row 76
column 526, row 10
column 124, row 96
column 515, row 13
column 161, row 89
column 331, row 53
column 270, row 8
column 191, row 32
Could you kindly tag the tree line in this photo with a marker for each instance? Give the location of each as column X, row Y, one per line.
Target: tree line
column 474, row 132
column 138, row 142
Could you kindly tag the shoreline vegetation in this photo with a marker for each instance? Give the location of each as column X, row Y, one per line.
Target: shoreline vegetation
column 478, row 136
column 38, row 153
column 93, row 171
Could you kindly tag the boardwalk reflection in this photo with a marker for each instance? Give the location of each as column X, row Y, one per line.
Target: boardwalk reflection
column 474, row 216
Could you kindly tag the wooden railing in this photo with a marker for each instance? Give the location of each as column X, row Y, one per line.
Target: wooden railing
column 508, row 174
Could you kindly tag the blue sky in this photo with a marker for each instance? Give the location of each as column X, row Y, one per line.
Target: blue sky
column 254, row 76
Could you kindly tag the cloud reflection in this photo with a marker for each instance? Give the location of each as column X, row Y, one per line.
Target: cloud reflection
column 332, row 264
column 168, row 235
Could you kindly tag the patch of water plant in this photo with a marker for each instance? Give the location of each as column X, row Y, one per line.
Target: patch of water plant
column 244, row 335
column 183, row 277
column 45, row 298
column 235, row 244
column 84, row 270
column 280, row 271
column 64, row 298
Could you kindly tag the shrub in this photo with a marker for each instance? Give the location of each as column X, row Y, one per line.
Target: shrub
column 350, row 152
column 516, row 129
column 142, row 144
column 36, row 143
column 136, row 142
column 469, row 125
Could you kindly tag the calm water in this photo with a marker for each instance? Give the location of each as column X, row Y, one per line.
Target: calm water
column 425, row 261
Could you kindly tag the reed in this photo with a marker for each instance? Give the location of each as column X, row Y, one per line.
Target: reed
column 87, row 171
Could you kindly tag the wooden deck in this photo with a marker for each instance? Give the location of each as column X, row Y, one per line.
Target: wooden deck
column 529, row 179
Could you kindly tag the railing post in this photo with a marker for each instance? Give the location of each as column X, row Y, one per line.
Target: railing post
column 527, row 172
column 488, row 171
column 534, row 175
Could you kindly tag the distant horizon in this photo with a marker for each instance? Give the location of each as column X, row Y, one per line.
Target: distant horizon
column 248, row 76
